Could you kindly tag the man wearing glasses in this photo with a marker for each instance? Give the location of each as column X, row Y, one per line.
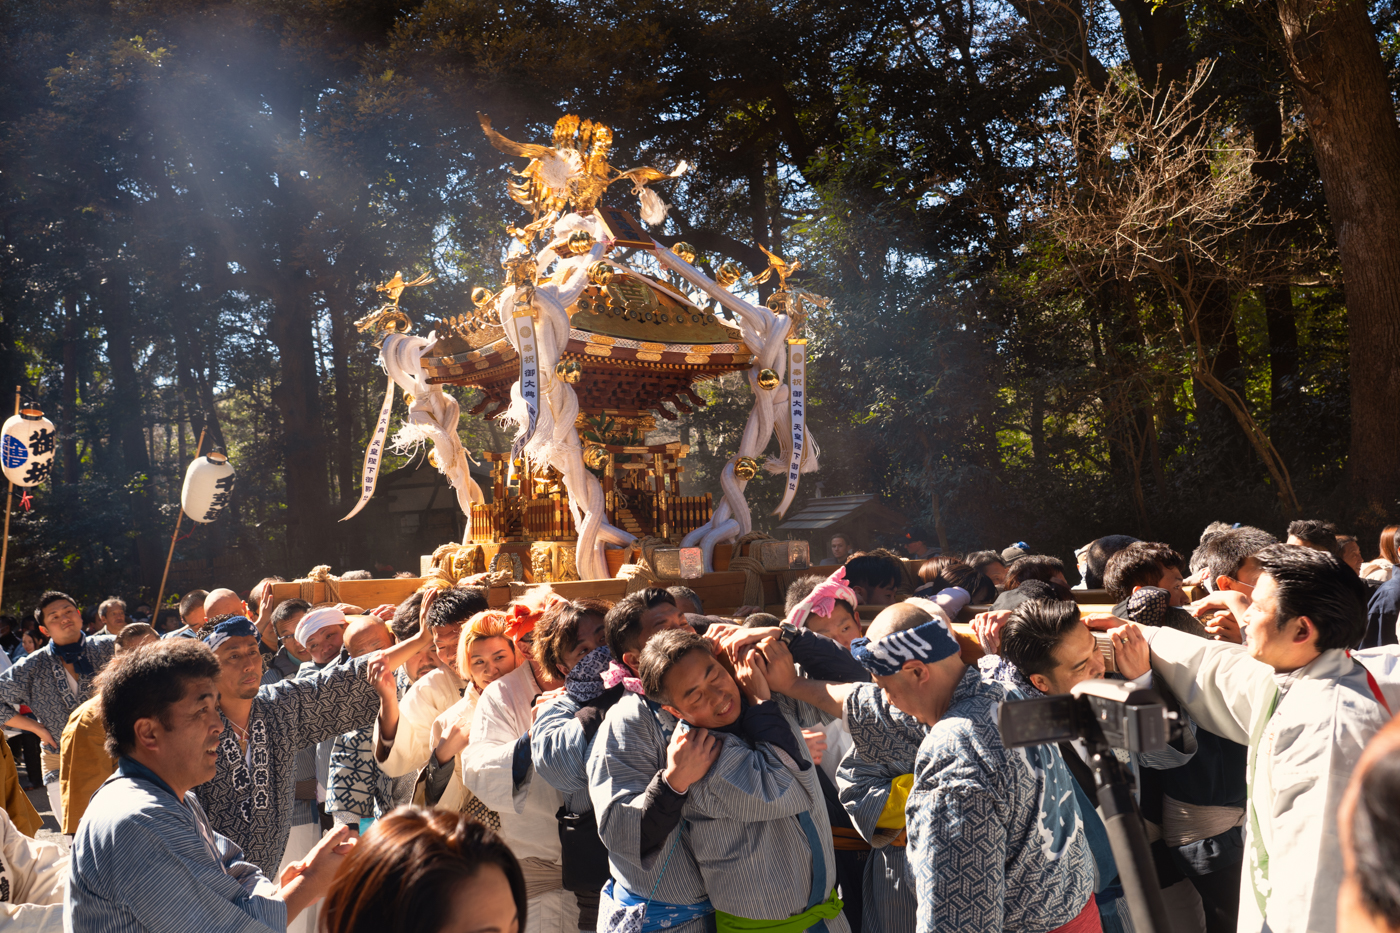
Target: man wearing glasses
column 290, row 653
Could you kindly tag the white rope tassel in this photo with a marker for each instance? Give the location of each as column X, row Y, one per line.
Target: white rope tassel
column 765, row 334
column 556, row 440
column 433, row 415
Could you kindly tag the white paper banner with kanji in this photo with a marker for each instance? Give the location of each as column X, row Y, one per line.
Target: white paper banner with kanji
column 524, row 323
column 797, row 397
column 374, row 453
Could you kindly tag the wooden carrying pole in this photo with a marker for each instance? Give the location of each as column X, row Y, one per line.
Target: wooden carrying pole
column 174, row 536
column 9, row 504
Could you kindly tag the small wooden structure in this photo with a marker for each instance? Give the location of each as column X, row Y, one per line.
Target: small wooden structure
column 858, row 517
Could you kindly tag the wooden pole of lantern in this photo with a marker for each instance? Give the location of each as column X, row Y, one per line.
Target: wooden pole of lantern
column 9, row 504
column 175, row 535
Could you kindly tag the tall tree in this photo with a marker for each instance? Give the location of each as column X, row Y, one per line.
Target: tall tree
column 1350, row 109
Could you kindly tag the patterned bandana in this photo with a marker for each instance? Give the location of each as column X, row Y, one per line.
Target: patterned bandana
column 617, row 673
column 315, row 620
column 236, row 627
column 822, row 600
column 1148, row 606
column 929, row 642
column 585, row 681
column 76, row 655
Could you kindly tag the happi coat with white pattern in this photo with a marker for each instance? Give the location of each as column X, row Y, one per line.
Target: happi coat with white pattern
column 885, row 743
column 996, row 842
column 251, row 797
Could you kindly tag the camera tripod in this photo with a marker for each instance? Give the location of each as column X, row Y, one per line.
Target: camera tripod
column 1136, row 870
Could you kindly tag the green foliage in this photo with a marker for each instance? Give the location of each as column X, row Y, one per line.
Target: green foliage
column 197, row 201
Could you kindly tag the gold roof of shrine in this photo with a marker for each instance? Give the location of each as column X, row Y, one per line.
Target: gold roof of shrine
column 638, row 341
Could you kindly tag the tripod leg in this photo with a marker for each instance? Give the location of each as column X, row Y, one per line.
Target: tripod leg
column 1136, row 870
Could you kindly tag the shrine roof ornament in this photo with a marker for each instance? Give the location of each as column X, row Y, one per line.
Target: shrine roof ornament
column 596, row 322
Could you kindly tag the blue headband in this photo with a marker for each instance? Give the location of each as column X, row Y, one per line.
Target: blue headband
column 929, row 642
column 236, row 627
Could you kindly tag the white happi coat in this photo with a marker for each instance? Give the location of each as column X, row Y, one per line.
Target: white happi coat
column 424, row 702
column 528, row 823
column 1325, row 715
column 33, row 879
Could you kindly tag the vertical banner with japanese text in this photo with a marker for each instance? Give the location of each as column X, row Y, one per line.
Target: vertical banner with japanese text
column 797, row 398
column 374, row 453
column 524, row 322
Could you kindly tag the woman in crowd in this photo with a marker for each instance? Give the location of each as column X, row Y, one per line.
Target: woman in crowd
column 484, row 655
column 1382, row 567
column 950, row 571
column 427, row 871
column 497, row 767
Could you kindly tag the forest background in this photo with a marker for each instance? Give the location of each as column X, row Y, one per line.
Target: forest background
column 1095, row 267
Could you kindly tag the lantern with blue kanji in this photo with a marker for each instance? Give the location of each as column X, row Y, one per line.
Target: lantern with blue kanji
column 26, row 447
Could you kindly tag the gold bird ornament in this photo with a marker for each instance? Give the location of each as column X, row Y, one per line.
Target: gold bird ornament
column 574, row 172
column 777, row 266
column 395, row 286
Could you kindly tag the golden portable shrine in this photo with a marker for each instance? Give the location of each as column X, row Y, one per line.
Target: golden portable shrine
column 597, row 330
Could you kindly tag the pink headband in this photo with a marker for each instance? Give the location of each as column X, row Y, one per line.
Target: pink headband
column 823, row 599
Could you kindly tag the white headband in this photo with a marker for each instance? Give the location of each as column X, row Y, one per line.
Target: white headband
column 317, row 619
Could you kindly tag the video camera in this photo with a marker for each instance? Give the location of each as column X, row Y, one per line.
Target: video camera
column 1108, row 713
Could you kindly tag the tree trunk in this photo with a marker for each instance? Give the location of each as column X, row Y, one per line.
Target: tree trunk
column 1341, row 82
column 346, row 397
column 68, row 409
column 1283, row 355
column 1037, row 427
column 298, row 398
column 126, row 407
column 1266, row 120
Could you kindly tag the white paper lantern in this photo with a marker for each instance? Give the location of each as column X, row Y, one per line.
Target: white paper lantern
column 26, row 447
column 208, row 486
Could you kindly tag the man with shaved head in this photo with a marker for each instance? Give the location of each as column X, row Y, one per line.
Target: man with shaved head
column 357, row 791
column 217, row 602
column 977, row 809
column 223, row 601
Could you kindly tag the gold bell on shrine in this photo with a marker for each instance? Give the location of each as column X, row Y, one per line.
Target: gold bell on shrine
column 571, row 371
column 685, row 251
column 580, row 241
column 728, row 273
column 600, row 273
column 767, row 379
column 595, row 457
column 746, row 467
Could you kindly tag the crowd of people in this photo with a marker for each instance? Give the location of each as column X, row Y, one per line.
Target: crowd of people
column 556, row 765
